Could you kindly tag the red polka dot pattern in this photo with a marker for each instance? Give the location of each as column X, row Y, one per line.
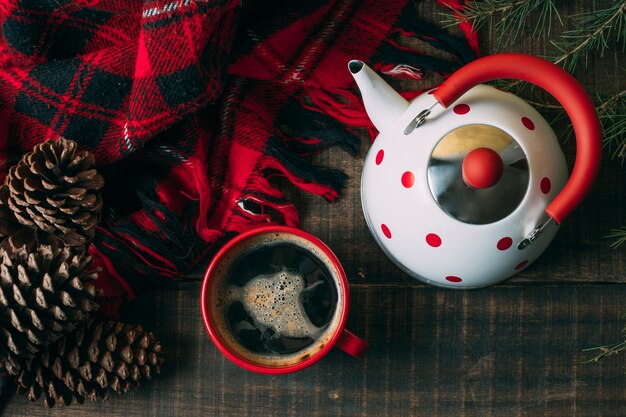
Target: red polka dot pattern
column 528, row 123
column 461, row 109
column 521, row 265
column 504, row 243
column 380, row 156
column 545, row 185
column 433, row 240
column 408, row 179
column 453, row 278
column 385, row 230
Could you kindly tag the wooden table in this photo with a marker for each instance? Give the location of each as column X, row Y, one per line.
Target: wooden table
column 515, row 349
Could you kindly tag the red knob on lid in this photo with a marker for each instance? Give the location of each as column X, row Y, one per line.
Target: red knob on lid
column 482, row 168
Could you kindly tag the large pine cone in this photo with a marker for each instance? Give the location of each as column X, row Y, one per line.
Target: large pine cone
column 44, row 293
column 55, row 188
column 89, row 362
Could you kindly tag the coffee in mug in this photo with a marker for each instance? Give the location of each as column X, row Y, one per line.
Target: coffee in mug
column 276, row 298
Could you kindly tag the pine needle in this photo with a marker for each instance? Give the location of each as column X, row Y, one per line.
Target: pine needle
column 594, row 33
column 619, row 236
column 507, row 19
column 607, row 350
column 612, row 114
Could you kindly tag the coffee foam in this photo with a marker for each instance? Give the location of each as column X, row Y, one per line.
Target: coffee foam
column 221, row 296
column 273, row 301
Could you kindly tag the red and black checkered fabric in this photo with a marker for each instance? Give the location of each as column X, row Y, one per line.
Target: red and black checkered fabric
column 193, row 106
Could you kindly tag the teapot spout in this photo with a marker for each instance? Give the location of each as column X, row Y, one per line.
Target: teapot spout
column 382, row 103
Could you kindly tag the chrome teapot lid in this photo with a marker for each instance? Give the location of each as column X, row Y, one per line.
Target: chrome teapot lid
column 478, row 174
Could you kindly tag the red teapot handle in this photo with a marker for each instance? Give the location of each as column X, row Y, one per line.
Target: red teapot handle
column 569, row 93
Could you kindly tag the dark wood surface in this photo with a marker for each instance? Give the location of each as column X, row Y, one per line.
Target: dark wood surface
column 515, row 349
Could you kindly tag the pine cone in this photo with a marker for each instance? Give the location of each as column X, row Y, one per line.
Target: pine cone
column 44, row 293
column 89, row 362
column 55, row 188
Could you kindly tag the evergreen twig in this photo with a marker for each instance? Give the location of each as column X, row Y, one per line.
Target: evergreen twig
column 608, row 350
column 592, row 34
column 506, row 18
column 612, row 114
column 619, row 236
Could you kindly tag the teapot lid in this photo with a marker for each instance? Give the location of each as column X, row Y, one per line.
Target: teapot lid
column 478, row 174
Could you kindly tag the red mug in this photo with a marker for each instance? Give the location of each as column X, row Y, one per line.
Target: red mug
column 275, row 300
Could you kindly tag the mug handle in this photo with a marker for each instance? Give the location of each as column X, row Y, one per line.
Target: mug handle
column 568, row 92
column 352, row 344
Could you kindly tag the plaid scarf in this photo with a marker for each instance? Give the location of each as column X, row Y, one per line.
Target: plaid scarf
column 193, row 106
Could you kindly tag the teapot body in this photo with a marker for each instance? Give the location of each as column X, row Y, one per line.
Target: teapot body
column 449, row 238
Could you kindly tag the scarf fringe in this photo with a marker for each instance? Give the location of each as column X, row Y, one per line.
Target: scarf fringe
column 288, row 156
column 461, row 50
column 317, row 180
column 316, row 131
column 342, row 105
column 153, row 244
column 119, row 244
column 400, row 71
column 197, row 170
column 261, row 202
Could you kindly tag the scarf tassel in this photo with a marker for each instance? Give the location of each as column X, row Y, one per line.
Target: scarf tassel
column 263, row 203
column 289, row 157
column 315, row 131
column 325, row 182
column 155, row 244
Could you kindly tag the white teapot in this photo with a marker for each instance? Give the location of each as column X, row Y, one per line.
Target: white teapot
column 467, row 185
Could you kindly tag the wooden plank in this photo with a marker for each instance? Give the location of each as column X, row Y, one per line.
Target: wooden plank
column 504, row 351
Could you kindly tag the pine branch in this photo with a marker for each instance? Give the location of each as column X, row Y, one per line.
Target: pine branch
column 606, row 350
column 507, row 19
column 610, row 349
column 593, row 32
column 619, row 236
column 612, row 114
